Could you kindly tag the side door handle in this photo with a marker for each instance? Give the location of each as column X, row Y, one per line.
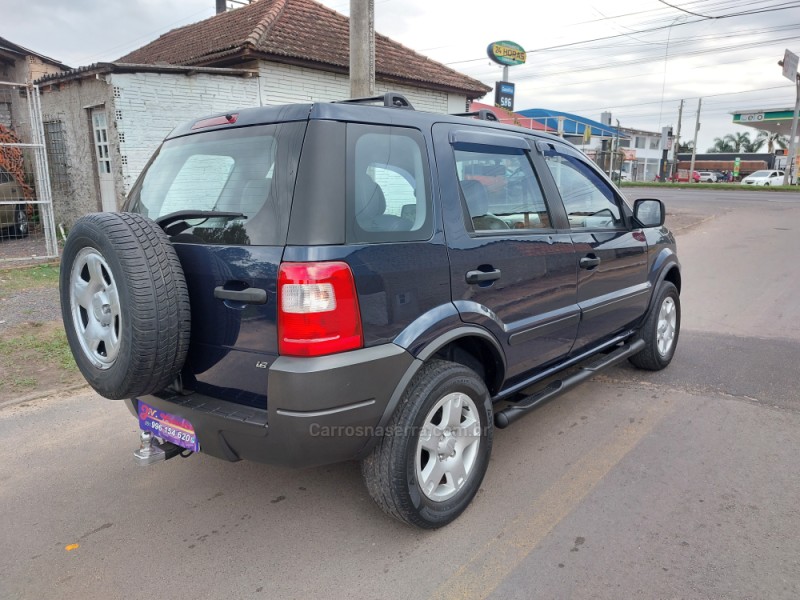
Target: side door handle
column 481, row 276
column 589, row 262
column 246, row 296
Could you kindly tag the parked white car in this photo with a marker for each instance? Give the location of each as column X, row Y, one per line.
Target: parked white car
column 764, row 178
column 708, row 177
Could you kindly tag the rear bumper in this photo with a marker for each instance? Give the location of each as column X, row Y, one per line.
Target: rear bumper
column 320, row 410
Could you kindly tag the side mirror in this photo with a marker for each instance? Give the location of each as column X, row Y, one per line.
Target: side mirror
column 649, row 212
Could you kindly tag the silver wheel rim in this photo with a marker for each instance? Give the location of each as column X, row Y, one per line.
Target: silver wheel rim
column 94, row 303
column 448, row 446
column 667, row 322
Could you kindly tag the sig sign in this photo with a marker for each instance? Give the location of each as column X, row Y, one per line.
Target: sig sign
column 507, row 53
column 504, row 95
column 790, row 65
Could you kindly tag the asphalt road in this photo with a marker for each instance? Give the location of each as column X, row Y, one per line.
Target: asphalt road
column 679, row 484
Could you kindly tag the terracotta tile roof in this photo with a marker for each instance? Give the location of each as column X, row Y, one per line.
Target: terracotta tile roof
column 299, row 31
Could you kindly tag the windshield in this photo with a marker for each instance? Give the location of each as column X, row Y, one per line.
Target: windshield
column 761, row 174
column 247, row 171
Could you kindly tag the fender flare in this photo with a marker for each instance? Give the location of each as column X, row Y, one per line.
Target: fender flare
column 429, row 350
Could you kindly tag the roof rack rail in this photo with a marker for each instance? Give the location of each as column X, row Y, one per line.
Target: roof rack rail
column 483, row 114
column 389, row 99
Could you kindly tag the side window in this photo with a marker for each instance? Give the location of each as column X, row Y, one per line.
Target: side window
column 388, row 185
column 590, row 202
column 500, row 189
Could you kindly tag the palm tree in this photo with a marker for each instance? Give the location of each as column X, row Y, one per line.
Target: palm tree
column 772, row 139
column 752, row 146
column 739, row 142
column 722, row 145
column 685, row 147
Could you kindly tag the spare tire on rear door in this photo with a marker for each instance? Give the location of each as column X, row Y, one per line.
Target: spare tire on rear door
column 124, row 303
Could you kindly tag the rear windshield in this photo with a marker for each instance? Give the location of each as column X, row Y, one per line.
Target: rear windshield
column 248, row 171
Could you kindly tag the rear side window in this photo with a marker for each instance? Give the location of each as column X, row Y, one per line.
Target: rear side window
column 388, row 185
column 500, row 189
column 249, row 171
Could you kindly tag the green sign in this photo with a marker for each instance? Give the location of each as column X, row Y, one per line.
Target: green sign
column 736, row 163
column 507, row 53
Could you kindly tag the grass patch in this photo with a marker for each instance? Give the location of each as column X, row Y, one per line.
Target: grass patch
column 40, row 344
column 35, row 357
column 26, row 278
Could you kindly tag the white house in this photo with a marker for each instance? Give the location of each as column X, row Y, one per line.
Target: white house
column 112, row 116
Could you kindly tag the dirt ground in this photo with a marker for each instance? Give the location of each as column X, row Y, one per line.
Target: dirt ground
column 34, row 359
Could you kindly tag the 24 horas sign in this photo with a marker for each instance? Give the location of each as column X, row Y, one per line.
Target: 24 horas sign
column 507, row 53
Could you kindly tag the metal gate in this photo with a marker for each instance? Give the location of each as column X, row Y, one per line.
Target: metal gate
column 27, row 225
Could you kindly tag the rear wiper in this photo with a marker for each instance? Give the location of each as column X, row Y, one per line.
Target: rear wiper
column 182, row 215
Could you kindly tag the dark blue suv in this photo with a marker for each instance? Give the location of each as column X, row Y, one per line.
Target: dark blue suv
column 308, row 284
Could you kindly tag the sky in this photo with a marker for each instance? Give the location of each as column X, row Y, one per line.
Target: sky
column 635, row 60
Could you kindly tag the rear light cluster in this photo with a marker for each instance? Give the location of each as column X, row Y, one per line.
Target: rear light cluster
column 317, row 309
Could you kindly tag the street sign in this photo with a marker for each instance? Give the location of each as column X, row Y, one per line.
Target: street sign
column 790, row 65
column 507, row 53
column 504, row 95
column 737, row 162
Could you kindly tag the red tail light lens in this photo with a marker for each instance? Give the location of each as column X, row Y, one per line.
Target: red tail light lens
column 317, row 309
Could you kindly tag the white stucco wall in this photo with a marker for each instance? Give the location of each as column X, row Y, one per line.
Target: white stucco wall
column 147, row 106
column 282, row 84
column 142, row 108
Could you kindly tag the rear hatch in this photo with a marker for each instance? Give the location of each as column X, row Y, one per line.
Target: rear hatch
column 223, row 194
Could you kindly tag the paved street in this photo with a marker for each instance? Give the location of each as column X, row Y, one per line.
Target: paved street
column 679, row 484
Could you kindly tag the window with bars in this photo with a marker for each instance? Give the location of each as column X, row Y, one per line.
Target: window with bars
column 56, row 148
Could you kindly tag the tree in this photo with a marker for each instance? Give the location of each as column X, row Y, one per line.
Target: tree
column 722, row 145
column 685, row 147
column 772, row 139
column 739, row 142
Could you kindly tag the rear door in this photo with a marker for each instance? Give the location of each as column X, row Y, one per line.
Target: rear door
column 511, row 270
column 610, row 251
column 230, row 262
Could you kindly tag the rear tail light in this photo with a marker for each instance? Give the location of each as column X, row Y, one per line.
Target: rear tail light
column 317, row 309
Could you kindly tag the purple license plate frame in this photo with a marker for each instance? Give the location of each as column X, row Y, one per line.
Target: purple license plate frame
column 168, row 427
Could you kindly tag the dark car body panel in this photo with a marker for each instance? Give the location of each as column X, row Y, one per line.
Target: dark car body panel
column 544, row 312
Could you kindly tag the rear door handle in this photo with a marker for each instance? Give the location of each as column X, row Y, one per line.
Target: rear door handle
column 481, row 276
column 246, row 296
column 589, row 262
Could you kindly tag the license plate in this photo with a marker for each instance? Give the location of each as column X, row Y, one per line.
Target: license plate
column 169, row 427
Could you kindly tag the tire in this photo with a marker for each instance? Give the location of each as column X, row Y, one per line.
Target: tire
column 660, row 330
column 21, row 224
column 124, row 304
column 403, row 477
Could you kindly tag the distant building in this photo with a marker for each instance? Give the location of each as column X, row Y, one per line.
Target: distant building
column 22, row 66
column 642, row 152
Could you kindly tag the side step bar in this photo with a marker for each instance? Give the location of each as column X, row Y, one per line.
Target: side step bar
column 505, row 417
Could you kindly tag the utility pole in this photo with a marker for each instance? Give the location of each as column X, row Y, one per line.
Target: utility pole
column 677, row 141
column 789, row 64
column 790, row 173
column 694, row 143
column 362, row 48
